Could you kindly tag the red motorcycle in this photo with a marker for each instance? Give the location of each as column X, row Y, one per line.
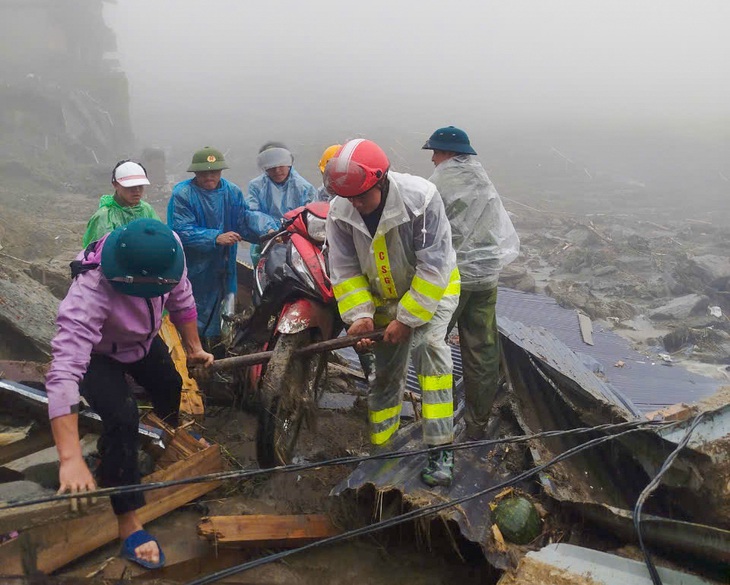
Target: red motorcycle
column 294, row 306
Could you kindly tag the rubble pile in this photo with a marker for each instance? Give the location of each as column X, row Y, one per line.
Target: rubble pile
column 664, row 286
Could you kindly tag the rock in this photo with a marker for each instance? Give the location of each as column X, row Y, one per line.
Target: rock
column 517, row 277
column 680, row 308
column 27, row 316
column 605, row 270
column 713, row 270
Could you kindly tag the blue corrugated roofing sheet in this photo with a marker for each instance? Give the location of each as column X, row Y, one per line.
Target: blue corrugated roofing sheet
column 648, row 386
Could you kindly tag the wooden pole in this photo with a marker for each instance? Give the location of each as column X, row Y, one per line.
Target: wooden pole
column 252, row 359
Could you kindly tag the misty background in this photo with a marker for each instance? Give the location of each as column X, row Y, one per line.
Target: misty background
column 558, row 97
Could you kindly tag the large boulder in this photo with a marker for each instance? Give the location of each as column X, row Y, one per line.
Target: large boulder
column 680, row 308
column 713, row 270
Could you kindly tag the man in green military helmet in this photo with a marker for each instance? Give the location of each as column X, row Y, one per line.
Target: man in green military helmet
column 210, row 215
column 485, row 241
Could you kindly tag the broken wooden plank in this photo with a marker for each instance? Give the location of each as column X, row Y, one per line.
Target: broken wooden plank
column 36, row 440
column 10, row 435
column 586, row 328
column 266, row 530
column 191, row 399
column 179, row 443
column 75, row 536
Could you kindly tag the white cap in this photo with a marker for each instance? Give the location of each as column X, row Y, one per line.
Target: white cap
column 130, row 174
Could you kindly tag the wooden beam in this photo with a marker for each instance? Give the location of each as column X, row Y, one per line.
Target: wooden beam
column 52, row 547
column 36, row 440
column 266, row 530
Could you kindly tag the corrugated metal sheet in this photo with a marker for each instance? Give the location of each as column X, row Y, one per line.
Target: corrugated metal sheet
column 648, row 386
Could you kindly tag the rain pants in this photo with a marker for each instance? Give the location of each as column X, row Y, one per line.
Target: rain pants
column 269, row 201
column 111, row 215
column 407, row 271
column 199, row 216
column 485, row 241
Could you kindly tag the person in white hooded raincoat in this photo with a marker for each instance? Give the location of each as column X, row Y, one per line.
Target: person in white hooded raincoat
column 393, row 265
column 280, row 188
column 485, row 242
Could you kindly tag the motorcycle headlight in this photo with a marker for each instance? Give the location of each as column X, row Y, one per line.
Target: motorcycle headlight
column 316, row 227
column 301, row 267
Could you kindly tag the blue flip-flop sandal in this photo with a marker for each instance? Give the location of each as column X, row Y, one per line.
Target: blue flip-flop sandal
column 137, row 539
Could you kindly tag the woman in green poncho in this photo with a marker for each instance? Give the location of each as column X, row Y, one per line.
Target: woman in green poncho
column 129, row 179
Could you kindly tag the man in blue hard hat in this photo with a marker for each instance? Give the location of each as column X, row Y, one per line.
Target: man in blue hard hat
column 485, row 241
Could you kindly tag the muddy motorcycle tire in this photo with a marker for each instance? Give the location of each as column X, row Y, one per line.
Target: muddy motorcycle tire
column 289, row 394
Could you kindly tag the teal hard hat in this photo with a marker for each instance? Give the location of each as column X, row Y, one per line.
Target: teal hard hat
column 143, row 259
column 449, row 139
column 207, row 159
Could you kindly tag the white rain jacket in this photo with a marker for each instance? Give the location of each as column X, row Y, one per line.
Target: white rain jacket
column 408, row 266
column 482, row 233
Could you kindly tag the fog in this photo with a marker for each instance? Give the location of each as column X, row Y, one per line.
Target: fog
column 606, row 84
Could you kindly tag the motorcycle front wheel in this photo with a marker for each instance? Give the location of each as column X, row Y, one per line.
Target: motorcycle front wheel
column 289, row 394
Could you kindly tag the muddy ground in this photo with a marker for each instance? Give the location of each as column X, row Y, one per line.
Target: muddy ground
column 621, row 262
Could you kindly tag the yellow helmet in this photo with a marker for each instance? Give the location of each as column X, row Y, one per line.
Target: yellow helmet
column 329, row 152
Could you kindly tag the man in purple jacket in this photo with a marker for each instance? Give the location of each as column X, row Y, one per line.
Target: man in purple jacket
column 107, row 328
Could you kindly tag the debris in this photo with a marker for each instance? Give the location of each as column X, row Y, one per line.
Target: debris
column 259, row 530
column 665, row 357
column 586, row 328
column 680, row 411
column 619, row 364
column 714, row 311
column 567, row 564
column 73, row 536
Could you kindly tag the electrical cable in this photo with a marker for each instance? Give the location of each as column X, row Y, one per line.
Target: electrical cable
column 414, row 514
column 239, row 474
column 653, row 484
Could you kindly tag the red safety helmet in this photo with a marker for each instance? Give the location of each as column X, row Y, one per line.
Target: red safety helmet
column 356, row 168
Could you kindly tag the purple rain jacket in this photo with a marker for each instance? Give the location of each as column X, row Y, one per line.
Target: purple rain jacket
column 94, row 318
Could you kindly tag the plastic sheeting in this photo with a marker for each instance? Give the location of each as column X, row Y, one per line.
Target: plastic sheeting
column 268, row 201
column 483, row 235
column 199, row 216
column 111, row 215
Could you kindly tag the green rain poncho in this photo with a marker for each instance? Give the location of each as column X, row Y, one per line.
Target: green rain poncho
column 111, row 215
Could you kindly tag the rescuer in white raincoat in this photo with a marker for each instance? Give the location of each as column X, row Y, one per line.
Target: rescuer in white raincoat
column 485, row 242
column 392, row 264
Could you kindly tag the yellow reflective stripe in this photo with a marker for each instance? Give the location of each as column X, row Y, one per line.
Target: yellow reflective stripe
column 350, row 285
column 353, row 300
column 442, row 382
column 383, row 436
column 427, row 289
column 415, row 308
column 433, row 411
column 382, row 263
column 454, row 286
column 378, row 416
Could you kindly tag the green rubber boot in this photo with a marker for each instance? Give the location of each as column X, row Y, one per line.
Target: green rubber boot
column 440, row 468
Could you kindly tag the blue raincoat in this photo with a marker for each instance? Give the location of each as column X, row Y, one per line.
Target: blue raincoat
column 268, row 202
column 199, row 217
